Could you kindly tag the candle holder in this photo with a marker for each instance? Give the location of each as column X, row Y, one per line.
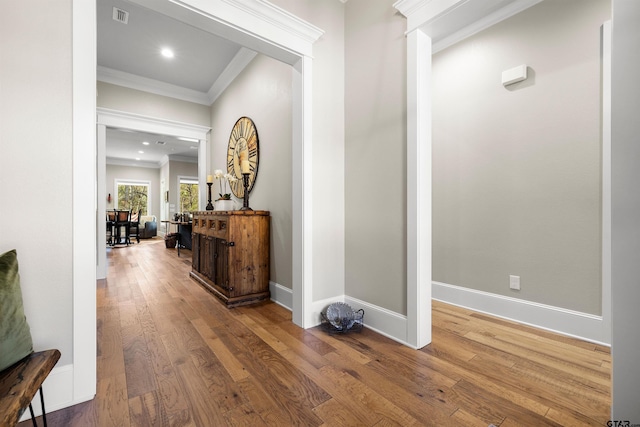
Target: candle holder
column 245, row 184
column 209, row 205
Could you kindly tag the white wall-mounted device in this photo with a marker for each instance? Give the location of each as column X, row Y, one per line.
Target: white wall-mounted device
column 514, row 75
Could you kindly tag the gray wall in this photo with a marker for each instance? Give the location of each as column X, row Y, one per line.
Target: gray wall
column 36, row 164
column 375, row 154
column 121, row 98
column 262, row 92
column 135, row 173
column 328, row 144
column 516, row 171
column 625, row 155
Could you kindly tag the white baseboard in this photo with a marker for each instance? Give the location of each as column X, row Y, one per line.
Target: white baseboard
column 385, row 322
column 58, row 392
column 585, row 326
column 381, row 320
column 281, row 295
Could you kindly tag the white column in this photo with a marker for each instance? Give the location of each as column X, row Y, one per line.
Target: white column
column 85, row 214
column 418, row 189
column 302, row 194
column 625, row 212
column 101, row 185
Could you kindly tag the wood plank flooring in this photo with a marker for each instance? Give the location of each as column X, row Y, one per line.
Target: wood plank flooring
column 170, row 354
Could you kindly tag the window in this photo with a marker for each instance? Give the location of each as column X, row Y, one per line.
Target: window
column 188, row 194
column 133, row 196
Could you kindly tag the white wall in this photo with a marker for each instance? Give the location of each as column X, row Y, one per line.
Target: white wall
column 516, row 170
column 625, row 210
column 36, row 164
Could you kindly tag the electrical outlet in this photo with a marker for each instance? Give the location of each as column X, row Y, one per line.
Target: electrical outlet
column 514, row 282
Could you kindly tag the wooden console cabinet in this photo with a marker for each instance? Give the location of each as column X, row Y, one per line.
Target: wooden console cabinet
column 231, row 254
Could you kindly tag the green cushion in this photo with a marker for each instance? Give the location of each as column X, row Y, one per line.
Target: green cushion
column 15, row 335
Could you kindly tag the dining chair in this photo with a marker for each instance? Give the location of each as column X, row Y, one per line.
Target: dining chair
column 123, row 222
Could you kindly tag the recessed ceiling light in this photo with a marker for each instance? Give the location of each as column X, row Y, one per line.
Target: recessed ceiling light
column 141, row 152
column 138, row 158
column 145, row 142
column 166, row 52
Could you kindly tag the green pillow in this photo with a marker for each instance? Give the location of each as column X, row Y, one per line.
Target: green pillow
column 15, row 335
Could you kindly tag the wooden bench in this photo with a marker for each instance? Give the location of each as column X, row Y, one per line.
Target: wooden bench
column 20, row 382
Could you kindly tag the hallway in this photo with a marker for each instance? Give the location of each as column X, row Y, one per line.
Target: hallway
column 169, row 353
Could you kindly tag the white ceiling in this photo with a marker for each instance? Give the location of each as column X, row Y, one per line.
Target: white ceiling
column 129, row 55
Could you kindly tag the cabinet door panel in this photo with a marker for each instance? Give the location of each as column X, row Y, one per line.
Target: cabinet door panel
column 222, row 255
column 195, row 254
column 207, row 257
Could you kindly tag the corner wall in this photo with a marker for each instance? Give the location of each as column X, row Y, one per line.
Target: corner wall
column 375, row 155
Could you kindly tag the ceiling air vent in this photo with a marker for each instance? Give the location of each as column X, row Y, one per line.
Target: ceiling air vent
column 120, row 15
column 160, row 142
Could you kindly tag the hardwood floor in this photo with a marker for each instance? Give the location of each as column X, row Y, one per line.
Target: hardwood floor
column 169, row 353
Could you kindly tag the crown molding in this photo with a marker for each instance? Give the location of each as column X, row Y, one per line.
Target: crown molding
column 233, row 69
column 276, row 16
column 113, row 161
column 179, row 158
column 132, row 81
column 256, row 24
column 127, row 120
column 447, row 22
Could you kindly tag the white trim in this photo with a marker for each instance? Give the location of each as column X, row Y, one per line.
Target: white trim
column 125, row 181
column 385, row 322
column 447, row 22
column 140, row 122
column 302, row 190
column 254, row 24
column 101, row 180
column 132, row 81
column 84, row 210
column 228, row 75
column 606, row 179
column 188, row 178
column 150, row 165
column 238, row 63
column 572, row 323
column 133, row 163
column 576, row 324
column 281, row 295
column 120, row 119
column 58, row 392
column 299, row 34
column 483, row 23
column 418, row 332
